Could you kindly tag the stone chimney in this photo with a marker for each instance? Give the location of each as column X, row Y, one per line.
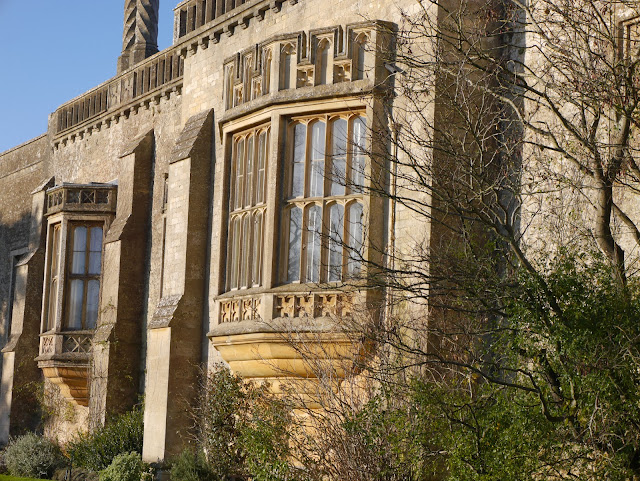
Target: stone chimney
column 140, row 37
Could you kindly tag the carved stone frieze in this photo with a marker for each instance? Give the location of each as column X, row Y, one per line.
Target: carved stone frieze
column 243, row 309
column 333, row 55
column 313, row 305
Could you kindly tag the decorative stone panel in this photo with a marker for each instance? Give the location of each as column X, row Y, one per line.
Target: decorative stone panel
column 313, row 305
column 328, row 56
column 65, row 343
column 94, row 198
column 242, row 309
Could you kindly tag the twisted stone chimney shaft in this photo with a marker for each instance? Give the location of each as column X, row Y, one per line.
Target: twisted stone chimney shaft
column 140, row 37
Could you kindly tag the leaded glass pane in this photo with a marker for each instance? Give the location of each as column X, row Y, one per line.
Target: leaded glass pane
column 313, row 244
column 316, row 182
column 76, row 296
column 237, row 226
column 93, row 297
column 262, row 157
column 53, row 284
column 355, row 239
column 245, row 270
column 357, row 161
column 257, row 249
column 297, row 171
column 248, row 199
column 79, row 250
column 95, row 252
column 336, row 226
column 238, row 194
column 338, row 156
column 294, row 246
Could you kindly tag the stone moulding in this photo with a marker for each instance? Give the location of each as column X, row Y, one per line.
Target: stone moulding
column 289, row 356
column 72, row 379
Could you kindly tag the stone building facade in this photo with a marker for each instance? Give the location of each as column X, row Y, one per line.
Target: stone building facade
column 192, row 209
column 181, row 213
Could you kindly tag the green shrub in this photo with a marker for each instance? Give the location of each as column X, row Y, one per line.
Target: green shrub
column 77, row 474
column 244, row 429
column 96, row 450
column 125, row 467
column 32, row 456
column 190, row 466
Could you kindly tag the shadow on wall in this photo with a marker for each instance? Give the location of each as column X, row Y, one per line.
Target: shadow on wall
column 21, row 385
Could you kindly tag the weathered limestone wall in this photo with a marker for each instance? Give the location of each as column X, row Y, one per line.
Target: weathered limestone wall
column 181, row 251
column 22, row 170
column 127, row 296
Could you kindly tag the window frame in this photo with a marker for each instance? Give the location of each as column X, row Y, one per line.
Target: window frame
column 351, row 194
column 65, row 222
column 244, row 207
column 85, row 277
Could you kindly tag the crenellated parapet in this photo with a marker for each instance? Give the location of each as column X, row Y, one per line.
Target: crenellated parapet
column 192, row 15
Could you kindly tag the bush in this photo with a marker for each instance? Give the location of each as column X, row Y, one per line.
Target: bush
column 190, row 466
column 97, row 450
column 77, row 474
column 33, row 456
column 125, row 467
column 244, row 429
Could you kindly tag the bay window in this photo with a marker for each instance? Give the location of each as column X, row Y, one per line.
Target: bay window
column 322, row 211
column 78, row 216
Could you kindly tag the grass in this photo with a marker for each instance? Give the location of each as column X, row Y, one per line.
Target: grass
column 13, row 478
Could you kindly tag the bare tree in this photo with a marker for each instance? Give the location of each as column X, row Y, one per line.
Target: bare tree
column 510, row 157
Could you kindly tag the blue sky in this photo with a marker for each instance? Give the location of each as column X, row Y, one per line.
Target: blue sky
column 55, row 50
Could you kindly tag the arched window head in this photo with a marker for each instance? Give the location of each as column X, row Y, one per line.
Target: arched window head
column 316, row 154
column 324, row 62
column 294, row 243
column 288, row 67
column 266, row 74
column 313, row 243
column 335, row 224
column 355, row 224
column 360, row 45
